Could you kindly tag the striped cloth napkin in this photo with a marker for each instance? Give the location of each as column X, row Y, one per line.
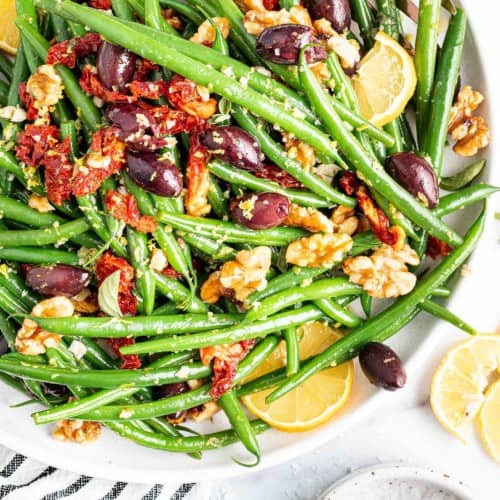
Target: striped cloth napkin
column 22, row 478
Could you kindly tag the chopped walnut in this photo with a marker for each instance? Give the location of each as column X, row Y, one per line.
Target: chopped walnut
column 344, row 220
column 384, row 273
column 346, row 49
column 308, row 218
column 31, row 339
column 256, row 21
column 300, row 151
column 319, row 250
column 470, row 133
column 206, row 33
column 45, row 86
column 14, row 114
column 320, row 69
column 40, row 203
column 246, row 5
column 158, row 260
column 85, row 302
column 79, row 431
column 204, row 412
column 172, row 18
column 239, row 277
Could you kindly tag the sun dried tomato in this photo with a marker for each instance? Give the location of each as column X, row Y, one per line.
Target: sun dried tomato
column 145, row 67
column 278, row 175
column 198, row 179
column 107, row 265
column 437, row 248
column 58, row 172
column 271, row 4
column 34, row 142
column 148, row 90
column 185, row 95
column 172, row 122
column 28, row 103
column 68, row 51
column 92, row 85
column 129, row 361
column 225, row 358
column 123, row 206
column 170, row 272
column 100, row 4
column 379, row 223
column 106, row 157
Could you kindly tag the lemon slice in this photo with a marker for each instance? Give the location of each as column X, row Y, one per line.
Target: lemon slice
column 317, row 399
column 489, row 421
column 458, row 386
column 9, row 36
column 385, row 80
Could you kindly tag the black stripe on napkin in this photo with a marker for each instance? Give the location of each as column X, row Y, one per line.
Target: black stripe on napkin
column 182, row 491
column 9, row 488
column 16, row 461
column 153, row 493
column 115, row 491
column 69, row 490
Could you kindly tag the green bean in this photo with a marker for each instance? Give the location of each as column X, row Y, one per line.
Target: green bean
column 326, row 288
column 232, row 233
column 154, row 19
column 174, row 359
column 60, row 28
column 11, row 281
column 445, row 81
column 185, row 444
column 463, row 198
column 425, row 60
column 229, row 174
column 106, row 379
column 441, row 292
column 464, row 177
column 366, row 304
column 292, row 350
column 88, row 403
column 184, row 10
column 179, row 294
column 4, row 92
column 20, row 72
column 9, row 331
column 27, row 178
column 372, row 172
column 239, row 422
column 37, row 255
column 389, row 16
column 242, row 331
column 136, row 326
column 11, row 304
column 122, row 9
column 364, row 18
column 216, row 198
column 14, row 383
column 59, row 234
column 214, row 249
column 189, row 399
column 442, row 313
column 6, row 67
column 25, row 9
column 378, row 326
column 338, row 313
column 139, row 257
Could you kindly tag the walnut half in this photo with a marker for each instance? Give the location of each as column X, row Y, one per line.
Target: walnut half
column 384, row 273
column 78, row 431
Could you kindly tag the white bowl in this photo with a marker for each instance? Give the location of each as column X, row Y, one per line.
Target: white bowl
column 115, row 458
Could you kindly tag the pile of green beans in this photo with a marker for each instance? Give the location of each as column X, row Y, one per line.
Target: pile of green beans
column 178, row 324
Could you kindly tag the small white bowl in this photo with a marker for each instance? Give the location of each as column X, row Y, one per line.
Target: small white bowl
column 397, row 482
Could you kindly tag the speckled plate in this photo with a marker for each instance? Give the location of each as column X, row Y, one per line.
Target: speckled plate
column 116, row 458
column 397, row 482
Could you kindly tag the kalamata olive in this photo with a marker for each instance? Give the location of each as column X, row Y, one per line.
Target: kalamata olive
column 281, row 44
column 59, row 279
column 4, row 347
column 131, row 118
column 116, row 66
column 382, row 366
column 416, row 175
column 168, row 390
column 234, row 145
column 260, row 211
column 338, row 12
column 54, row 390
column 158, row 176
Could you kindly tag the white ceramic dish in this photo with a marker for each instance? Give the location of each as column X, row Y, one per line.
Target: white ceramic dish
column 397, row 482
column 115, row 458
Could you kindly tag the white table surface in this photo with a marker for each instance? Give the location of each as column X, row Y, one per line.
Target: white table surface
column 404, row 430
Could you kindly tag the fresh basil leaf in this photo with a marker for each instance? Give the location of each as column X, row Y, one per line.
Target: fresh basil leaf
column 107, row 295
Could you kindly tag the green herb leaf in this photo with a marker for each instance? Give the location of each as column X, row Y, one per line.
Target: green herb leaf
column 108, row 295
column 464, row 177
